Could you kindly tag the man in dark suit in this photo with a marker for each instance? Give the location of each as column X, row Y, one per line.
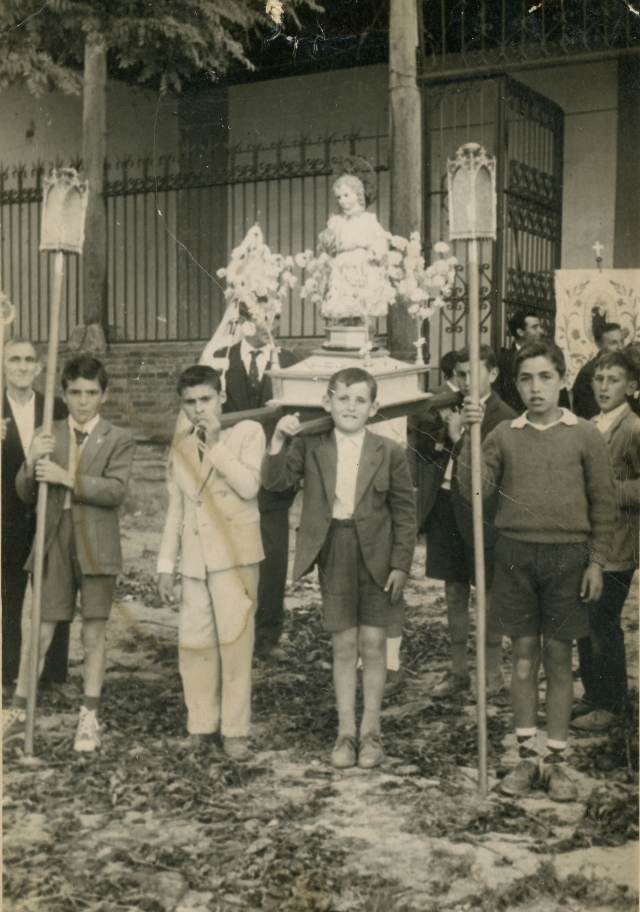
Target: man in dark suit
column 248, row 386
column 22, row 412
column 609, row 339
column 523, row 327
column 449, row 528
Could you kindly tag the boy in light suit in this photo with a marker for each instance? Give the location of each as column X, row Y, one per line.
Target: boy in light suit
column 359, row 525
column 87, row 473
column 213, row 520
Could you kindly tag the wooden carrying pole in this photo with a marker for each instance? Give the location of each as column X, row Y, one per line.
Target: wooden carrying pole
column 472, row 215
column 64, row 207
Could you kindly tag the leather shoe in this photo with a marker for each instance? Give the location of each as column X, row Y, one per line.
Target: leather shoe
column 236, row 749
column 559, row 786
column 370, row 751
column 343, row 755
column 520, row 780
column 598, row 720
column 580, row 708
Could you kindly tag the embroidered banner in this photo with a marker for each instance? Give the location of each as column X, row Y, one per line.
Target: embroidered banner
column 585, row 295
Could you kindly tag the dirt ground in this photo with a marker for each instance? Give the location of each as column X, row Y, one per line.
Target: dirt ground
column 145, row 826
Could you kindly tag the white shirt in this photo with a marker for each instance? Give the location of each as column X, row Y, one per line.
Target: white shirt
column 262, row 358
column 605, row 420
column 75, row 450
column 566, row 417
column 349, row 448
column 24, row 415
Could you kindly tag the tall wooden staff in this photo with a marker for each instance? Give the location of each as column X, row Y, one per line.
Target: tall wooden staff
column 472, row 215
column 63, row 214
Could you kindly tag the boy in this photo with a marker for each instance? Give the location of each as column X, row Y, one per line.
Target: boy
column 87, row 473
column 603, row 667
column 449, row 527
column 358, row 525
column 554, row 524
column 213, row 520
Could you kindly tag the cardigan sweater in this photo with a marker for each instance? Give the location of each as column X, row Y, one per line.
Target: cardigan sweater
column 556, row 486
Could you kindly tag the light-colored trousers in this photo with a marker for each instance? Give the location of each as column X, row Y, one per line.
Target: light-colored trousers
column 215, row 648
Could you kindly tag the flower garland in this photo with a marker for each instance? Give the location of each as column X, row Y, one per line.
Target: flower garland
column 258, row 279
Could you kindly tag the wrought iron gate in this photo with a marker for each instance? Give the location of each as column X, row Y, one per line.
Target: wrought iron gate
column 524, row 130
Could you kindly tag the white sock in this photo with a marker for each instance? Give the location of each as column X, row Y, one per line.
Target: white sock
column 393, row 653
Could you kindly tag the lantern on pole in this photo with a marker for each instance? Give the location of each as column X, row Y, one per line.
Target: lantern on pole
column 471, row 183
column 65, row 200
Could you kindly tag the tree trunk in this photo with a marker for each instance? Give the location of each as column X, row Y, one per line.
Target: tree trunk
column 94, row 150
column 406, row 151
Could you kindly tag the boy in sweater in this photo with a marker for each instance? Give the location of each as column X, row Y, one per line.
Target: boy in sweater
column 554, row 521
column 603, row 666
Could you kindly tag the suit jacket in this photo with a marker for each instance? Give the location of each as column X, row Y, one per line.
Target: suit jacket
column 18, row 518
column 100, row 488
column 623, row 441
column 239, row 400
column 385, row 512
column 495, row 411
column 433, row 449
column 212, row 519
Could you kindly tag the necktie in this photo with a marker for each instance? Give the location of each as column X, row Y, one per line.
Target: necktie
column 201, row 434
column 254, row 378
column 81, row 436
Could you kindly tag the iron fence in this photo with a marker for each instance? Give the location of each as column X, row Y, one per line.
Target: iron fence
column 170, row 227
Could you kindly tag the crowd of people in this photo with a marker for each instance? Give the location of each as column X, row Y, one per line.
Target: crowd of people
column 561, row 489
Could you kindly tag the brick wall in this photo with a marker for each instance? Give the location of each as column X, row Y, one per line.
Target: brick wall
column 142, row 382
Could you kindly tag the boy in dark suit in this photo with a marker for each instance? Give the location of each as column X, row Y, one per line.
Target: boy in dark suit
column 22, row 411
column 358, row 526
column 87, row 473
column 449, row 527
column 248, row 386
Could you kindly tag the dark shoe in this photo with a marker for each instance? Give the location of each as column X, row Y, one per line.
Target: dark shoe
column 452, row 685
column 237, row 749
column 204, row 743
column 520, row 780
column 580, row 708
column 598, row 720
column 395, row 680
column 343, row 755
column 370, row 751
column 559, row 786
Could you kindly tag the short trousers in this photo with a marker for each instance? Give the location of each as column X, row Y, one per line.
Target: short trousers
column 449, row 556
column 350, row 595
column 63, row 579
column 536, row 589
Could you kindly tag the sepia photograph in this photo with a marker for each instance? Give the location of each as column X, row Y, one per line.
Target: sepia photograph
column 320, row 462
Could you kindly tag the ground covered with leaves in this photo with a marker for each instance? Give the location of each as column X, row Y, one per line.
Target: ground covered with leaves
column 146, row 826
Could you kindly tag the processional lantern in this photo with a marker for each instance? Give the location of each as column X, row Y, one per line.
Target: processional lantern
column 64, row 209
column 471, row 182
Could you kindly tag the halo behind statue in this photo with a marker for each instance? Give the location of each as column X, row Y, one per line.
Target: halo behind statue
column 359, row 167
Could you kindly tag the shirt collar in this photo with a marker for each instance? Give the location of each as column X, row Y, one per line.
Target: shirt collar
column 84, row 428
column 246, row 350
column 355, row 439
column 453, row 386
column 605, row 420
column 22, row 405
column 566, row 417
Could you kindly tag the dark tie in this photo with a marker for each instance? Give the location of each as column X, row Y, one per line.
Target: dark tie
column 81, row 436
column 201, row 434
column 254, row 379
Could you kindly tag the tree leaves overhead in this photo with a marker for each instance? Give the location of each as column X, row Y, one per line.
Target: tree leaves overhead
column 160, row 43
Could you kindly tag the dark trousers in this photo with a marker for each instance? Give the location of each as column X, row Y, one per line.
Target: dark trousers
column 274, row 526
column 14, row 585
column 603, row 664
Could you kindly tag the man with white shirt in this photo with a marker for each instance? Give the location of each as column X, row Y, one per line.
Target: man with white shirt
column 22, row 412
column 248, row 386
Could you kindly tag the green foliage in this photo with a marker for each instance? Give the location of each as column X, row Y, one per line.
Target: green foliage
column 163, row 43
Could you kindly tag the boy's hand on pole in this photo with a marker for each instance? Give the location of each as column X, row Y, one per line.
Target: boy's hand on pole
column 472, row 411
column 41, row 445
column 286, row 427
column 454, row 424
column 591, row 583
column 53, row 473
column 165, row 588
column 395, row 584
